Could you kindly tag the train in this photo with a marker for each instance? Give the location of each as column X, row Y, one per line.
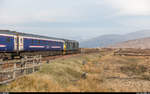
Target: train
column 16, row 44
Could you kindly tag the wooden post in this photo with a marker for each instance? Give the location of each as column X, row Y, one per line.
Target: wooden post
column 34, row 58
column 40, row 61
column 14, row 71
column 40, row 58
column 25, row 67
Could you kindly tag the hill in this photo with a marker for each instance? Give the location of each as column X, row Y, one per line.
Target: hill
column 102, row 41
column 142, row 43
column 107, row 40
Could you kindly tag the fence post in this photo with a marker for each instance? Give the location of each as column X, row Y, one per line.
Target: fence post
column 14, row 71
column 25, row 65
column 34, row 58
column 40, row 57
column 40, row 61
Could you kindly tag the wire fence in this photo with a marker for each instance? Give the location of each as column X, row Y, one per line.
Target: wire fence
column 13, row 69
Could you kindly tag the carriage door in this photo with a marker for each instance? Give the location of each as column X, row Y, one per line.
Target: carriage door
column 16, row 43
column 21, row 42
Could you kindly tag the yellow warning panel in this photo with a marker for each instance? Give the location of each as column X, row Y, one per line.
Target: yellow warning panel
column 64, row 49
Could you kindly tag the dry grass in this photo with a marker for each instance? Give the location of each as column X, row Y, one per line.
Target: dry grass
column 33, row 83
column 99, row 73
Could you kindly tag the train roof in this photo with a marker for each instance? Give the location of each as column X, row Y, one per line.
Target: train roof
column 32, row 35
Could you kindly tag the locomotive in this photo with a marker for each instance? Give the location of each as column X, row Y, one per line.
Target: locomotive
column 14, row 44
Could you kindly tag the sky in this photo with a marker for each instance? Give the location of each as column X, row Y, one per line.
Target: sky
column 75, row 19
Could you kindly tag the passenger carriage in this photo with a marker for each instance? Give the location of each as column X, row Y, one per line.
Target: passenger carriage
column 13, row 43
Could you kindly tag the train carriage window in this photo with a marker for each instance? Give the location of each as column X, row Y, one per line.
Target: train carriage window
column 36, row 41
column 44, row 41
column 32, row 41
column 8, row 39
column 74, row 45
column 39, row 41
column 70, row 44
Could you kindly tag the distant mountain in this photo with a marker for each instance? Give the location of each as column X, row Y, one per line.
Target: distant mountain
column 102, row 41
column 138, row 34
column 107, row 40
column 143, row 43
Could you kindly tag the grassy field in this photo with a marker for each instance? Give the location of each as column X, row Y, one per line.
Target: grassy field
column 96, row 72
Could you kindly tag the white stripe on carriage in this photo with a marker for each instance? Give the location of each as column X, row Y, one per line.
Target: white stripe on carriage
column 2, row 45
column 55, row 47
column 32, row 37
column 7, row 35
column 43, row 39
column 36, row 46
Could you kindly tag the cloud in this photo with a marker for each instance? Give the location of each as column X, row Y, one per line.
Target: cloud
column 25, row 11
column 79, row 17
column 136, row 22
column 29, row 11
column 130, row 7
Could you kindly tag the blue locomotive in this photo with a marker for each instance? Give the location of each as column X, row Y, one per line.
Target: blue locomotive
column 14, row 43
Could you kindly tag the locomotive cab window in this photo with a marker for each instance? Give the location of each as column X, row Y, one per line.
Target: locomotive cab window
column 73, row 45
